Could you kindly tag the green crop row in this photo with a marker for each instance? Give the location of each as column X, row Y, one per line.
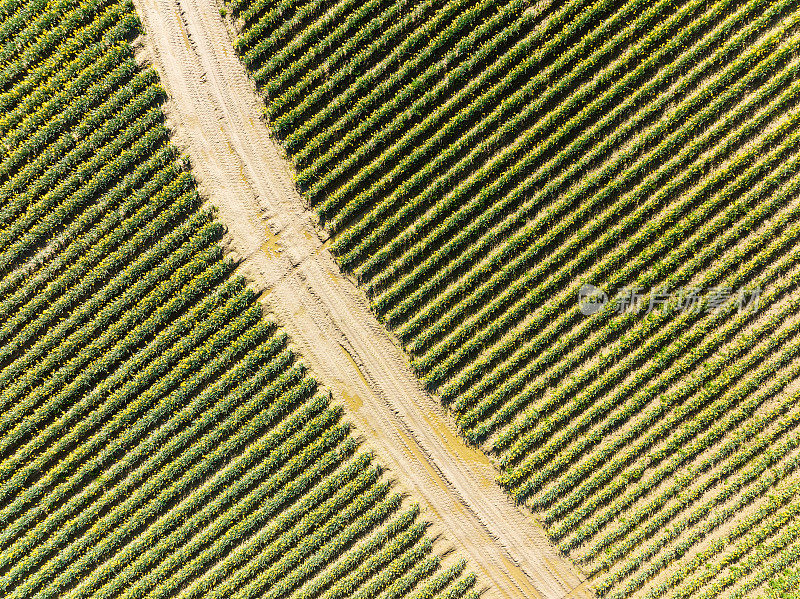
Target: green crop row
column 478, row 165
column 158, row 437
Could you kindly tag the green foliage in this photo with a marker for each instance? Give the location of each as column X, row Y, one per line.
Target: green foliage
column 158, row 438
column 785, row 586
column 476, row 163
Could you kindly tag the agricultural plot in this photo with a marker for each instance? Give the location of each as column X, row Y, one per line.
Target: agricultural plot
column 158, row 437
column 478, row 163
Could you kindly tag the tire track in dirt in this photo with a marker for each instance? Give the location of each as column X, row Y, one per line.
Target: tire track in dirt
column 216, row 117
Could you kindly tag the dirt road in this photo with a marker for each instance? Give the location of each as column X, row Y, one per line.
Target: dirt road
column 216, row 116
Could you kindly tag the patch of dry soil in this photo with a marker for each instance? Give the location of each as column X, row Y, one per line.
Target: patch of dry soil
column 217, row 120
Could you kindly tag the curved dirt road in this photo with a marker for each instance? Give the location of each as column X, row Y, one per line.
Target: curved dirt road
column 216, row 116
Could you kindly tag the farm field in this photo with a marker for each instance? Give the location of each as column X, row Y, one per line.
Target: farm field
column 477, row 163
column 215, row 114
column 159, row 437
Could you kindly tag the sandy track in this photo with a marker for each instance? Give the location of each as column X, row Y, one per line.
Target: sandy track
column 216, row 116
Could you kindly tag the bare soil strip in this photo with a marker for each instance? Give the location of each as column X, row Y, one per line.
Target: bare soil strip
column 217, row 119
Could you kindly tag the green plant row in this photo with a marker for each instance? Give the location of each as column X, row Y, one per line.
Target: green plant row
column 158, row 435
column 474, row 179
